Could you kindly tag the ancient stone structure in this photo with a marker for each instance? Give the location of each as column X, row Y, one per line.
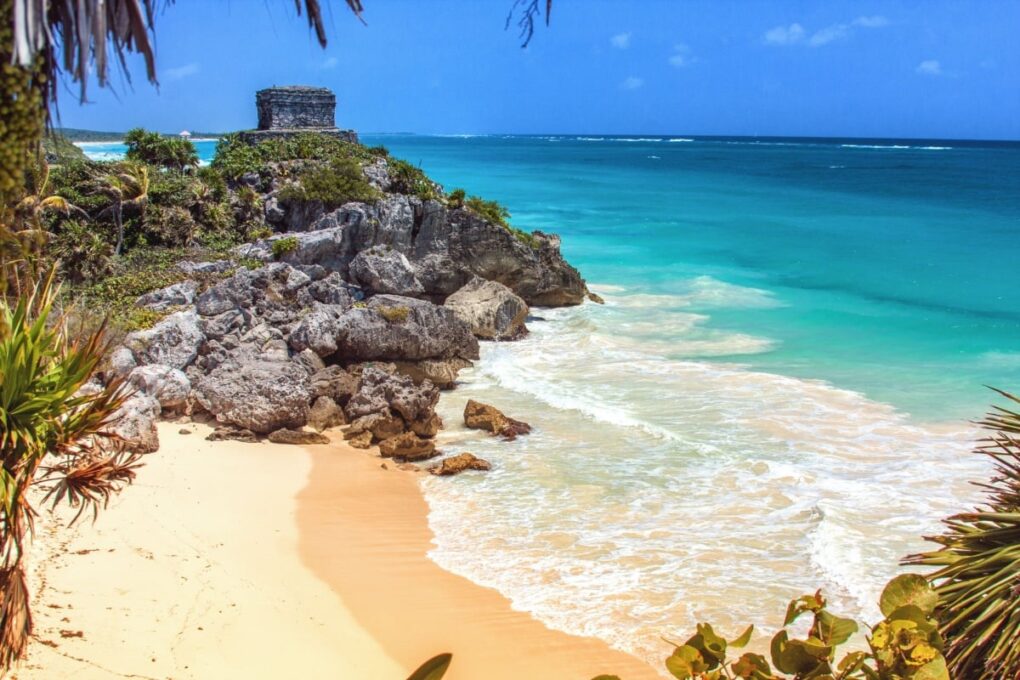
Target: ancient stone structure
column 296, row 109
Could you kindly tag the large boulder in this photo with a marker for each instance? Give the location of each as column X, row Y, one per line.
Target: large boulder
column 454, row 465
column 297, row 437
column 335, row 383
column 491, row 309
column 325, row 414
column 398, row 328
column 408, row 446
column 380, row 391
column 318, row 330
column 169, row 386
column 135, row 423
column 479, row 416
column 261, row 396
column 440, row 372
column 173, row 342
column 384, row 270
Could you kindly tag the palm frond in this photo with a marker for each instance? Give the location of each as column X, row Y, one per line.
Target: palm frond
column 978, row 565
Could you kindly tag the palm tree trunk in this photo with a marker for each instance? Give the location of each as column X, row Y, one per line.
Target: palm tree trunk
column 119, row 214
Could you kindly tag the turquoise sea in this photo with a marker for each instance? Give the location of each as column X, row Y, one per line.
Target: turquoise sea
column 774, row 397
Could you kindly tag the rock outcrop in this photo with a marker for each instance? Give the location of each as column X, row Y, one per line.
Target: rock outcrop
column 479, row 416
column 462, row 462
column 490, row 309
column 374, row 309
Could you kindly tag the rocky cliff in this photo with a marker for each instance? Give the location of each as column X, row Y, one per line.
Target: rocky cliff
column 341, row 315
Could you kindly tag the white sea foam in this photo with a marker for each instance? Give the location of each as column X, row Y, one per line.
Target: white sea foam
column 655, row 493
column 680, row 139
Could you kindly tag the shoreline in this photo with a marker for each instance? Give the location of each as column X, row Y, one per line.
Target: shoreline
column 382, row 572
column 234, row 560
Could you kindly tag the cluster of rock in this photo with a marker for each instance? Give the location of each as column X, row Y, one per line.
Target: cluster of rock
column 375, row 309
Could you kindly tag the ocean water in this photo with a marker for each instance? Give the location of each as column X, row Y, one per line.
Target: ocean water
column 774, row 397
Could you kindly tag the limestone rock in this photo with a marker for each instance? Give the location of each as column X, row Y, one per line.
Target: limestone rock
column 121, row 362
column 393, row 327
column 178, row 294
column 261, row 396
column 459, row 463
column 135, row 423
column 427, row 427
column 492, row 310
column 227, row 433
column 479, row 416
column 298, row 437
column 335, row 383
column 596, row 298
column 381, row 426
column 215, row 267
column 440, row 372
column 169, row 386
column 384, row 270
column 174, row 341
column 381, row 392
column 408, row 446
column 361, row 440
column 325, row 414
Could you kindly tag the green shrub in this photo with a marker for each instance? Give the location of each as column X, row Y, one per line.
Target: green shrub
column 152, row 148
column 489, row 210
column 235, row 157
column 60, row 150
column 171, row 226
column 455, row 199
column 409, row 179
column 282, row 246
column 83, row 253
column 341, row 181
column 378, row 151
column 393, row 314
column 496, row 213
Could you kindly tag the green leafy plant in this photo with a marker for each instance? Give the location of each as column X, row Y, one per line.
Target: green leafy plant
column 169, row 225
column 455, row 199
column 236, row 157
column 51, row 434
column 978, row 576
column 83, row 253
column 333, row 184
column 152, row 148
column 410, row 179
column 282, row 246
column 489, row 210
column 905, row 645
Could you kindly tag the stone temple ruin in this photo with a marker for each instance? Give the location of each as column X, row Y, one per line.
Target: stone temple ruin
column 296, row 109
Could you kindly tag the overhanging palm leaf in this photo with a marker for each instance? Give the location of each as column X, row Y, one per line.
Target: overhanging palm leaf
column 978, row 577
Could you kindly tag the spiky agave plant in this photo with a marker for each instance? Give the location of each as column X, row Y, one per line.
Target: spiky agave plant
column 978, row 576
column 52, row 433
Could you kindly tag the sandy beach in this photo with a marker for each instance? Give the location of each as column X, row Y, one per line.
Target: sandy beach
column 230, row 560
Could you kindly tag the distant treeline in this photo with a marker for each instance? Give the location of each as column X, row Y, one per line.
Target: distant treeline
column 77, row 135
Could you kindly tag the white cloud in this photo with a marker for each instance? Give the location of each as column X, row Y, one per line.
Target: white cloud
column 182, row 71
column 930, row 67
column 875, row 21
column 785, row 35
column 681, row 56
column 329, row 62
column 829, row 34
column 795, row 34
column 620, row 41
column 632, row 83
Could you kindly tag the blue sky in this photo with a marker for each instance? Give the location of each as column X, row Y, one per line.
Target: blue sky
column 927, row 68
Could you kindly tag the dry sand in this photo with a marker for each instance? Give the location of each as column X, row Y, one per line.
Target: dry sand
column 229, row 560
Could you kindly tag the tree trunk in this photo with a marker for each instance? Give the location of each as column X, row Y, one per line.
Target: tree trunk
column 119, row 215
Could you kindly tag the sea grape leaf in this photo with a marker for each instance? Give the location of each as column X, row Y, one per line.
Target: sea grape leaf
column 743, row 638
column 834, row 630
column 933, row 670
column 433, row 669
column 805, row 603
column 685, row 661
column 751, row 666
column 908, row 589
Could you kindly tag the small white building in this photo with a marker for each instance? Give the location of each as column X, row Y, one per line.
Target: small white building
column 184, row 134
